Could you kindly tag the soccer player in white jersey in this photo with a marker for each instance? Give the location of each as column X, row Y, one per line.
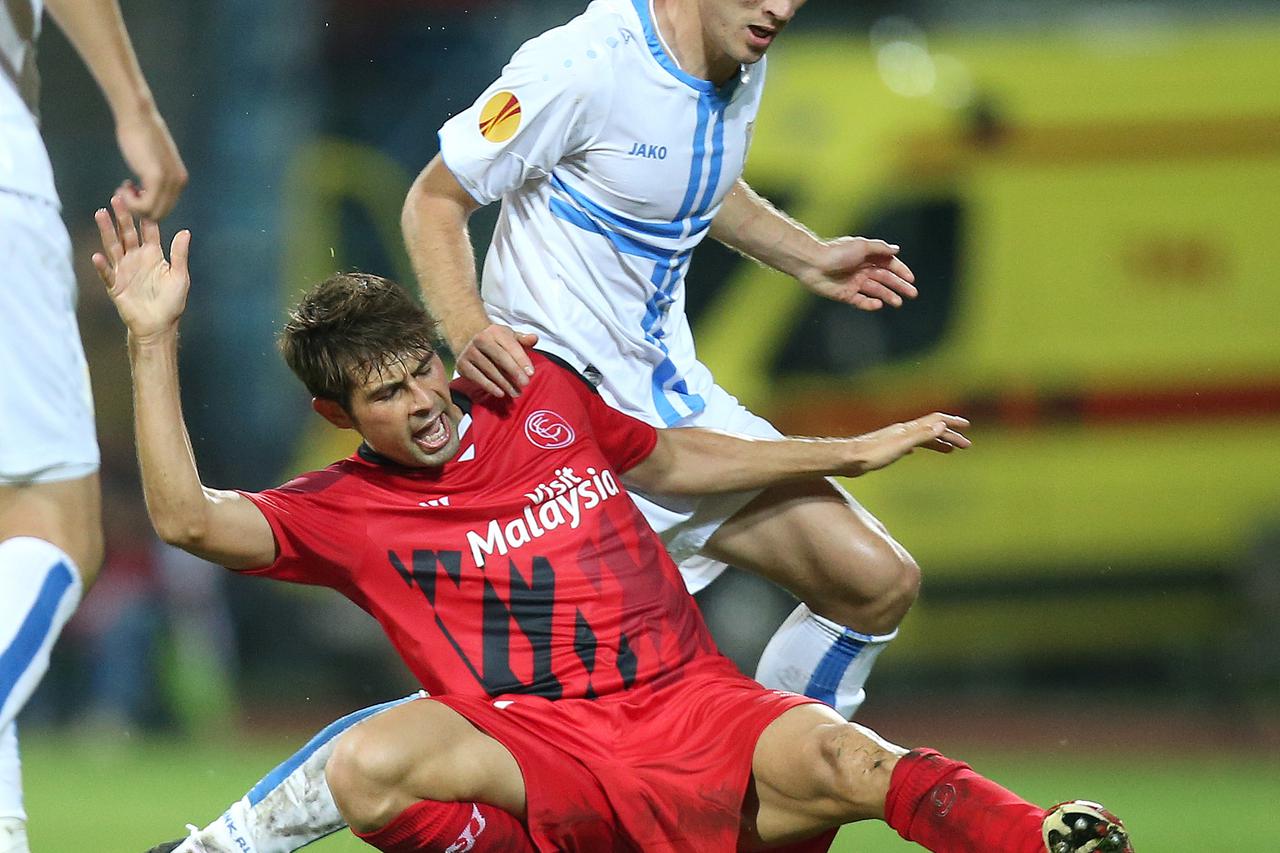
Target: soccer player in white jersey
column 615, row 144
column 50, row 536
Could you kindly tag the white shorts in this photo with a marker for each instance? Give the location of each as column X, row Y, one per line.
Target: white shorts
column 46, row 406
column 686, row 523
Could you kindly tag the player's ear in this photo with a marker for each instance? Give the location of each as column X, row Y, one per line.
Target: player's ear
column 332, row 412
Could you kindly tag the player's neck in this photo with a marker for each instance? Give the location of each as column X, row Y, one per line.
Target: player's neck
column 679, row 25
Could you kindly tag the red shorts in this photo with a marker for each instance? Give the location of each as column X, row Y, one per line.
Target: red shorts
column 652, row 769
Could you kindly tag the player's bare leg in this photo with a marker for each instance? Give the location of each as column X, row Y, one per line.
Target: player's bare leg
column 856, row 582
column 50, row 551
column 420, row 777
column 288, row 808
column 813, row 771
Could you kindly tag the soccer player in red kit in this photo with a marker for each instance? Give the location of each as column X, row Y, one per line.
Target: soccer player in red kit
column 578, row 701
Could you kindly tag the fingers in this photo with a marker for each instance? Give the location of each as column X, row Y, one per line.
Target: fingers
column 495, row 359
column 896, row 266
column 117, row 231
column 124, row 223
column 885, row 255
column 887, row 283
column 942, row 432
column 150, row 232
column 179, row 251
column 872, row 288
column 120, row 236
column 894, row 280
column 469, row 370
column 872, row 246
column 860, row 300
column 867, row 274
column 129, row 191
column 157, row 195
column 482, row 368
column 106, row 271
column 107, row 233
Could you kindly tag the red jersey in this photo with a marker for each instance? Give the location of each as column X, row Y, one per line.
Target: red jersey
column 520, row 566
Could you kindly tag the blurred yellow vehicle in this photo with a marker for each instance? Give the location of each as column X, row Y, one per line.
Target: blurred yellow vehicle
column 1092, row 216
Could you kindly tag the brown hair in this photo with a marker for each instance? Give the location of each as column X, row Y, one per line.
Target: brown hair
column 352, row 322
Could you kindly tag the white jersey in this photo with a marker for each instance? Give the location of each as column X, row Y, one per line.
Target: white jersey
column 24, row 163
column 610, row 162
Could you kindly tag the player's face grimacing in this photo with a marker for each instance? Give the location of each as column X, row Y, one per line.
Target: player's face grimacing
column 744, row 29
column 403, row 411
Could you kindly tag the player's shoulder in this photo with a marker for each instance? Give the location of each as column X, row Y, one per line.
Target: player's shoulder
column 551, row 375
column 581, row 53
column 340, row 475
column 560, row 372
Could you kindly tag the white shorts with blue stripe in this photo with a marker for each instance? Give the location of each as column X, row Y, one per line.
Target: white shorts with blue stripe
column 686, row 523
column 46, row 406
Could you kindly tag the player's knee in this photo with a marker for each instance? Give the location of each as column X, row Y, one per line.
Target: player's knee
column 900, row 589
column 363, row 774
column 878, row 585
column 854, row 769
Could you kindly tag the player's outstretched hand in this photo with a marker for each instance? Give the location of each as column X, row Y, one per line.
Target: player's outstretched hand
column 149, row 150
column 939, row 432
column 866, row 274
column 495, row 360
column 149, row 292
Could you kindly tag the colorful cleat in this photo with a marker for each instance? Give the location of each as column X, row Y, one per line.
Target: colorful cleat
column 1080, row 826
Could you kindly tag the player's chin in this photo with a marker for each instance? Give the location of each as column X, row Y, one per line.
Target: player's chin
column 753, row 47
column 431, row 456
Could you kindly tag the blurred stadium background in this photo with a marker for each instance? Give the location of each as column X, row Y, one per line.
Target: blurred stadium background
column 1089, row 193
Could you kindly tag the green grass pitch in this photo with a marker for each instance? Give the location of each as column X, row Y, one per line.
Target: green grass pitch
column 125, row 796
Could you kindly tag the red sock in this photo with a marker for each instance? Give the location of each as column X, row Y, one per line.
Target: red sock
column 431, row 827
column 944, row 806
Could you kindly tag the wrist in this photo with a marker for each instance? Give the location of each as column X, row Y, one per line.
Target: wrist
column 154, row 339
column 855, row 452
column 135, row 107
column 465, row 333
column 807, row 259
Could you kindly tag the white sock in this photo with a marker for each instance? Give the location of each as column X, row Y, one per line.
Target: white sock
column 821, row 659
column 291, row 806
column 13, row 818
column 39, row 590
column 10, row 778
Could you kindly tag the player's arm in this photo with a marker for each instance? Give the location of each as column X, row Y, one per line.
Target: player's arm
column 96, row 29
column 864, row 273
column 150, row 295
column 701, row 461
column 434, row 220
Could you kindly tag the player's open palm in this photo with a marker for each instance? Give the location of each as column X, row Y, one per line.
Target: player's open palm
column 939, row 432
column 149, row 292
column 866, row 274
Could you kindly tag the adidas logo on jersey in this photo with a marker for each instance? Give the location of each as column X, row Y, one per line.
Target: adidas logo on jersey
column 444, row 501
